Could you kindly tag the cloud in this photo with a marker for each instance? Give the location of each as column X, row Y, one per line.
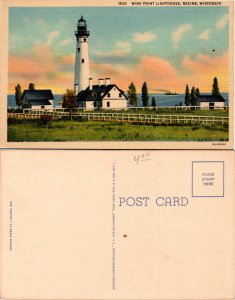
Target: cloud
column 157, row 72
column 202, row 64
column 41, row 65
column 41, row 22
column 65, row 42
column 123, row 45
column 144, row 37
column 221, row 23
column 69, row 59
column 161, row 74
column 35, row 62
column 26, row 20
column 205, row 67
column 177, row 34
column 14, row 38
column 204, row 35
column 62, row 22
column 49, row 70
column 121, row 49
column 52, row 36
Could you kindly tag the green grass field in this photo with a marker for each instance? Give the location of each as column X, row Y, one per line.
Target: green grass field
column 64, row 130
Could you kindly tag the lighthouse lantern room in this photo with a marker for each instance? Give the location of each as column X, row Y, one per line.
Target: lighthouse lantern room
column 81, row 78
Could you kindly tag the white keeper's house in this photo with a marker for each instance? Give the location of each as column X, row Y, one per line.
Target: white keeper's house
column 88, row 95
column 102, row 95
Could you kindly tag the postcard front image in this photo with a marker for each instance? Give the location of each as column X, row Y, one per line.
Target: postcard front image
column 117, row 76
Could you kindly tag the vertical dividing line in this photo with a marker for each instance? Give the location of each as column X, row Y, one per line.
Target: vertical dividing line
column 113, row 227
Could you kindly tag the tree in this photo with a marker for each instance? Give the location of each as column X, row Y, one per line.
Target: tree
column 187, row 96
column 132, row 94
column 31, row 86
column 215, row 88
column 145, row 96
column 153, row 104
column 18, row 95
column 69, row 101
column 197, row 92
column 193, row 96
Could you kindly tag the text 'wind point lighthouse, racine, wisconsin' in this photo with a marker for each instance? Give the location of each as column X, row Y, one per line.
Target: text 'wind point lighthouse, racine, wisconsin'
column 89, row 96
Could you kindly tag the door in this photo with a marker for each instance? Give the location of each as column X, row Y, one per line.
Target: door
column 211, row 105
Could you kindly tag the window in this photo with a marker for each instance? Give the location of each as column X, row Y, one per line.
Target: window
column 95, row 104
column 42, row 106
column 83, row 60
column 109, row 95
column 78, row 49
column 120, row 95
column 84, row 39
column 108, row 104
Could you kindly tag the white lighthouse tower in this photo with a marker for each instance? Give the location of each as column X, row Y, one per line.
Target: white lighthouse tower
column 81, row 78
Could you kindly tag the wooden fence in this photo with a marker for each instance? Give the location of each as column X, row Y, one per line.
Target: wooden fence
column 154, row 118
column 130, row 109
column 127, row 117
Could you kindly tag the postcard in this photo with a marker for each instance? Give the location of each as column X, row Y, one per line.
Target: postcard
column 117, row 75
column 135, row 225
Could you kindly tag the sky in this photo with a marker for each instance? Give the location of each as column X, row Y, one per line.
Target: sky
column 168, row 47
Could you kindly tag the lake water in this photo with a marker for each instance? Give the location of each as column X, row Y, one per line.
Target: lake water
column 161, row 100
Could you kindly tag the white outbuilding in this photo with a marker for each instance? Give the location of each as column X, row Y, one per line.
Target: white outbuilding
column 210, row 101
column 38, row 99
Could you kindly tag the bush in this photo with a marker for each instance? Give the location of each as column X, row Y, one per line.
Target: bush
column 15, row 110
column 80, row 118
column 15, row 121
column 12, row 121
column 44, row 120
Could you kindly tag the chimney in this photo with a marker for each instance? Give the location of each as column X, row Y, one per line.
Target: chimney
column 76, row 89
column 101, row 81
column 107, row 81
column 90, row 83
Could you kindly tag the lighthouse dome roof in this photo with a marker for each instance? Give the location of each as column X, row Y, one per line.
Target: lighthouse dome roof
column 81, row 21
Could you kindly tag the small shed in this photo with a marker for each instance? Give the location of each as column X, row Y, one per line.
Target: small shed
column 210, row 101
column 38, row 99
